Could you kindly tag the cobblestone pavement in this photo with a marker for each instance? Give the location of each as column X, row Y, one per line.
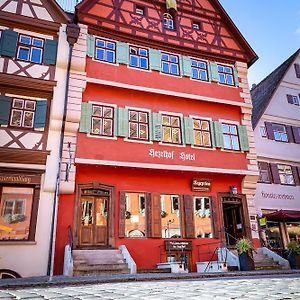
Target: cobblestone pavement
column 244, row 288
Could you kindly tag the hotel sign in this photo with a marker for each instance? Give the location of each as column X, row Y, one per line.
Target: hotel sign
column 20, row 178
column 178, row 245
column 201, row 185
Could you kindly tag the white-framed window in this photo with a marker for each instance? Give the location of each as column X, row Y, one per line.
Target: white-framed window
column 199, row 70
column 105, row 50
column 102, row 120
column 138, row 125
column 286, row 174
column 139, row 57
column 171, row 127
column 295, row 100
column 140, row 10
column 170, row 64
column 202, row 134
column 30, row 49
column 226, row 75
column 202, row 217
column 196, row 25
column 22, row 113
column 280, row 133
column 230, row 136
column 168, row 21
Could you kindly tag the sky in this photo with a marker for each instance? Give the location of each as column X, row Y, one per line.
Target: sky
column 271, row 27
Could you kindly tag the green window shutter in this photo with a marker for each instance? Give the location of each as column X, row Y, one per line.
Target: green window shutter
column 90, row 46
column 122, row 122
column 214, row 74
column 186, row 68
column 219, row 140
column 8, row 43
column 86, row 117
column 5, row 106
column 236, row 77
column 243, row 136
column 115, row 122
column 155, row 59
column 50, row 52
column 40, row 114
column 188, row 132
column 212, row 134
column 122, row 53
column 156, row 127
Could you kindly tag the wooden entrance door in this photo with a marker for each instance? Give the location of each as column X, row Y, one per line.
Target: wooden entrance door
column 233, row 222
column 93, row 221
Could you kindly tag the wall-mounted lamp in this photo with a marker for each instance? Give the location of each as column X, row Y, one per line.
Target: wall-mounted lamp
column 233, row 190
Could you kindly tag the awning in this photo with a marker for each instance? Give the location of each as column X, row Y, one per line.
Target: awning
column 283, row 215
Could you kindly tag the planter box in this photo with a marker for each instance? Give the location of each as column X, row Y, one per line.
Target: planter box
column 246, row 262
column 211, row 267
column 176, row 267
column 294, row 260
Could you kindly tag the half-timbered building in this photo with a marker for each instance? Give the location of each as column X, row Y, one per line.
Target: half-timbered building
column 33, row 66
column 164, row 155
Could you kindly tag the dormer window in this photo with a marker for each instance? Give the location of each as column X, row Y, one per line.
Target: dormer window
column 196, row 26
column 168, row 21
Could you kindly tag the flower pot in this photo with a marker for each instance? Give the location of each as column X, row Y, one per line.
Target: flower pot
column 294, row 260
column 246, row 262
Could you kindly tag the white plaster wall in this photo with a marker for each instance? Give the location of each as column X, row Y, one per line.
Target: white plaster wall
column 276, row 196
column 266, row 148
column 290, row 75
column 31, row 259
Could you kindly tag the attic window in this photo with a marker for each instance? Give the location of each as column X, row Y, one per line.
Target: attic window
column 140, row 10
column 168, row 21
column 197, row 25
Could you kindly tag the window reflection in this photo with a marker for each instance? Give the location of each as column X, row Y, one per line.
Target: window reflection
column 202, row 217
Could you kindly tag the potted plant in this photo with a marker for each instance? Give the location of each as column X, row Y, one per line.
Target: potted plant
column 293, row 254
column 244, row 248
column 127, row 214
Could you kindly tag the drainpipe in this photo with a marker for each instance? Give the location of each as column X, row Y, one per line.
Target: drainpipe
column 72, row 36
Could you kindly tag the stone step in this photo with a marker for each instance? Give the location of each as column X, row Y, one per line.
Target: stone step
column 97, row 272
column 98, row 262
column 107, row 267
column 166, row 270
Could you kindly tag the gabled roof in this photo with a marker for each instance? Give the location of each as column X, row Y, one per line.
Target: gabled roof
column 263, row 92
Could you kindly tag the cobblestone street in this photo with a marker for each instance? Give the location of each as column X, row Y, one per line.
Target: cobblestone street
column 242, row 288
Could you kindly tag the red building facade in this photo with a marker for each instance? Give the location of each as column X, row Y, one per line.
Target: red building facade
column 164, row 151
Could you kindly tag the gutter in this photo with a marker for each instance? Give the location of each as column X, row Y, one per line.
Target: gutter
column 72, row 37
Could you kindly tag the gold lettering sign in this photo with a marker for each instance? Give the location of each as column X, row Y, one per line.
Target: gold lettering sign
column 19, row 178
column 201, row 185
column 174, row 245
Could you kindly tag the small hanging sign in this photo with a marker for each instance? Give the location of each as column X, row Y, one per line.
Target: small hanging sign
column 201, row 185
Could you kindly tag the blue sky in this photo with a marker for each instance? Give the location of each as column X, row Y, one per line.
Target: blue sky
column 271, row 27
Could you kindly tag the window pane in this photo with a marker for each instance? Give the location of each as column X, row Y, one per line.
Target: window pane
column 134, row 62
column 174, row 69
column 173, row 59
column 107, row 112
column 198, row 138
column 230, row 80
column 197, row 124
column 100, row 43
column 165, row 67
column 30, row 105
column 97, row 111
column 170, row 216
column 143, row 52
column 227, row 142
column 202, row 217
column 206, row 139
column 133, row 115
column 194, row 63
column 203, row 75
column 96, row 125
column 284, row 137
column 110, row 56
column 235, row 143
column 37, row 42
column 16, row 118
column 233, row 129
column 228, row 70
column 36, row 55
column 23, row 53
column 143, row 131
column 107, row 127
column 176, row 135
column 167, row 135
column 28, row 119
column 110, row 45
column 194, row 73
column 143, row 117
column 133, row 130
column 166, row 120
column 15, row 208
column 135, row 216
column 18, row 103
column 100, row 54
column 175, row 121
column 222, row 78
column 220, row 69
column 225, row 128
column 144, row 63
column 205, row 125
column 25, row 40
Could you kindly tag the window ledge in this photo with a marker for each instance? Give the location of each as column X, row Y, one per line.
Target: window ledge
column 12, row 243
column 231, row 151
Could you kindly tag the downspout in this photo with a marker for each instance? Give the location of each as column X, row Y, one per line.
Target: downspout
column 72, row 36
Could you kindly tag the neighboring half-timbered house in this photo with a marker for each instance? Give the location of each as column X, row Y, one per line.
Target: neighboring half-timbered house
column 33, row 67
column 165, row 160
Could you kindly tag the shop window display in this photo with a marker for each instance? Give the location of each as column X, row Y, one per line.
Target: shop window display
column 202, row 219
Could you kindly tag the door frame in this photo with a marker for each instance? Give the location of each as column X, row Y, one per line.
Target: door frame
column 108, row 191
column 245, row 215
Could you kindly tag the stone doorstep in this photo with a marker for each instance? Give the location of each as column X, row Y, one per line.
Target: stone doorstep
column 101, row 267
column 99, row 262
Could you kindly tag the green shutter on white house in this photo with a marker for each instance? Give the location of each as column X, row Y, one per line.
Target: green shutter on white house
column 122, row 53
column 50, row 52
column 243, row 136
column 188, row 131
column 90, row 46
column 155, row 59
column 5, row 106
column 236, row 77
column 186, row 67
column 214, row 74
column 218, row 133
column 86, row 117
column 8, row 43
column 123, row 122
column 40, row 114
column 156, row 127
column 212, row 134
